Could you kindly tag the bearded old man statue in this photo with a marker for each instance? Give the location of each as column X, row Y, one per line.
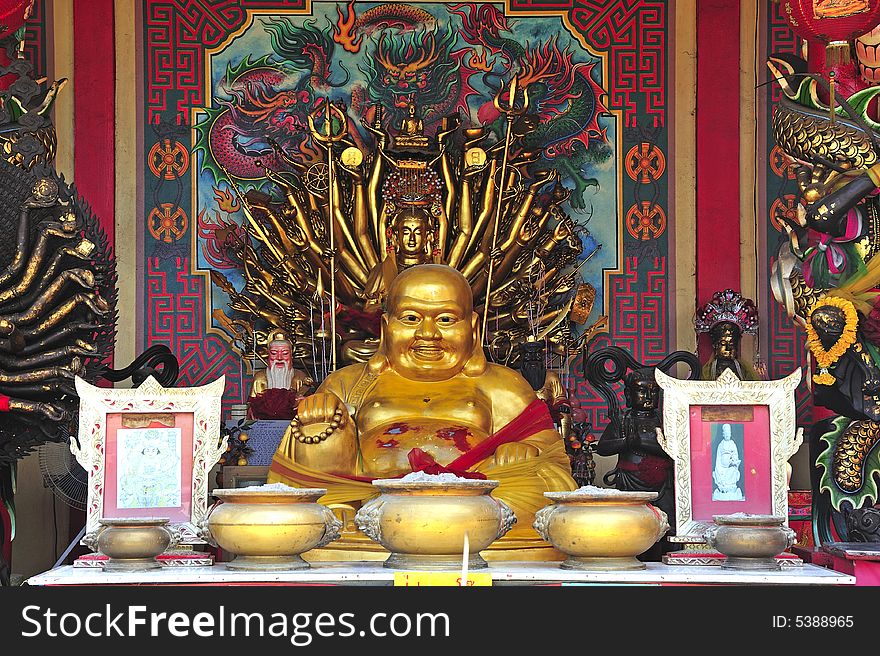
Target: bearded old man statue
column 277, row 388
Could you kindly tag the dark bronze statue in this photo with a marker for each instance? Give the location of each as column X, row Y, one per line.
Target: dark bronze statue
column 848, row 380
column 549, row 388
column 825, row 276
column 631, row 435
column 726, row 317
column 642, row 465
column 57, row 286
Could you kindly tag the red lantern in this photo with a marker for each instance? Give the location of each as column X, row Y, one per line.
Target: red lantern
column 832, row 22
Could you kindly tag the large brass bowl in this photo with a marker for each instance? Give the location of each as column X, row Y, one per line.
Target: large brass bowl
column 601, row 529
column 423, row 524
column 269, row 529
column 132, row 543
column 750, row 541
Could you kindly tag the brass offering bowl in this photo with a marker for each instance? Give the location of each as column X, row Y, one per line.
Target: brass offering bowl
column 268, row 529
column 423, row 523
column 132, row 543
column 750, row 541
column 601, row 529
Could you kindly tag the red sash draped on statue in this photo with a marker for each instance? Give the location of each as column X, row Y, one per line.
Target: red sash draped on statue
column 535, row 418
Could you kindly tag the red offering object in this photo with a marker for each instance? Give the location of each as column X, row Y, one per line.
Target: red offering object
column 274, row 403
column 800, row 516
column 832, row 22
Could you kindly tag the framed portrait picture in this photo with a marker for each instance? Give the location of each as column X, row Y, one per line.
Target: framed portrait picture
column 730, row 441
column 148, row 452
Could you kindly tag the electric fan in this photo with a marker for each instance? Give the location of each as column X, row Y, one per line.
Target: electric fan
column 63, row 474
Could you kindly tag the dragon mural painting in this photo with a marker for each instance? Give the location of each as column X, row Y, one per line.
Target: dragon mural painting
column 436, row 69
column 405, row 56
column 567, row 97
column 827, row 276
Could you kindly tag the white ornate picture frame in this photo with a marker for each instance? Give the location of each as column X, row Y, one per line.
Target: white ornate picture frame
column 185, row 418
column 771, row 437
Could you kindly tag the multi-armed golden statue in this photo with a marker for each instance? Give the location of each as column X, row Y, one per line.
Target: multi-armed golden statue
column 361, row 212
column 468, row 251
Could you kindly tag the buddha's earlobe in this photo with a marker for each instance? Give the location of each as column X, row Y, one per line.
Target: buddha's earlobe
column 477, row 363
column 379, row 361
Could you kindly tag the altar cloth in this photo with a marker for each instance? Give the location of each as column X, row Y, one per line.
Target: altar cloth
column 503, row 573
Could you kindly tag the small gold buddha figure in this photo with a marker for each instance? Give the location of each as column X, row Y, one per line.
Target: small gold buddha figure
column 411, row 231
column 280, row 372
column 428, row 400
column 411, row 133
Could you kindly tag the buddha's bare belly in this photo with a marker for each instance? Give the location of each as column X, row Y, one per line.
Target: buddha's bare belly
column 385, row 448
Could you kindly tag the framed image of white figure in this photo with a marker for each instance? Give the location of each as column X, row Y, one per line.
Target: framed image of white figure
column 730, row 441
column 727, row 462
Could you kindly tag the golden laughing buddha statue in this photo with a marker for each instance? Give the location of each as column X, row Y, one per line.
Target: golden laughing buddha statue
column 427, row 401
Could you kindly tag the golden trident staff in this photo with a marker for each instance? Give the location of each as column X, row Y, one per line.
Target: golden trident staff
column 262, row 235
column 328, row 138
column 511, row 111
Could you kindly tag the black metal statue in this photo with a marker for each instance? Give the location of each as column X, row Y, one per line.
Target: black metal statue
column 631, row 435
column 57, row 287
column 549, row 388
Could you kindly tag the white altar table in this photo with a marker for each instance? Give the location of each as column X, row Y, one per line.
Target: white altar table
column 503, row 573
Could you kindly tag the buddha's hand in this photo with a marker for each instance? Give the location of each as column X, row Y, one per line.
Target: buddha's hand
column 322, row 407
column 512, row 452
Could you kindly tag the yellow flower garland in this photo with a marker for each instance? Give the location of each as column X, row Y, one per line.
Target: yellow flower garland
column 827, row 359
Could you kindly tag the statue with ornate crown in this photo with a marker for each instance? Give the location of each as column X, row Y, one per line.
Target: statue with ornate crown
column 428, row 401
column 726, row 318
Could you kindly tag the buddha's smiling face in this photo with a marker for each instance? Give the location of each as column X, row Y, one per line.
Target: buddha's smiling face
column 429, row 326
